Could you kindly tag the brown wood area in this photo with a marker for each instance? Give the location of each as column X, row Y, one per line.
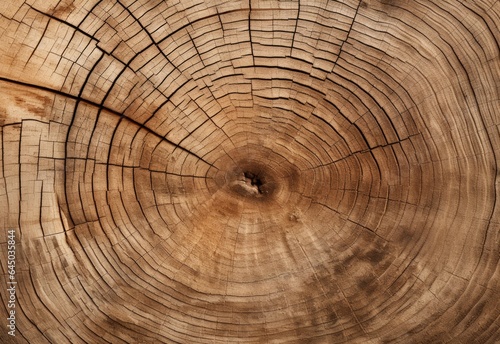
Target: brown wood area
column 279, row 171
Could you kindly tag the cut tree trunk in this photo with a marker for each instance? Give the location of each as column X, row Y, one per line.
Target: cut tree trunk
column 250, row 172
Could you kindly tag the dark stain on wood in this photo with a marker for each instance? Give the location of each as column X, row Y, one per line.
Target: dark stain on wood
column 65, row 7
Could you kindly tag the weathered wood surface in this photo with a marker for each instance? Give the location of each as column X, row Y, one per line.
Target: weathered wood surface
column 266, row 171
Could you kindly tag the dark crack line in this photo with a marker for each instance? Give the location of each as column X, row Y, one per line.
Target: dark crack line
column 68, row 133
column 76, row 28
column 167, row 100
column 295, row 29
column 379, row 105
column 250, row 30
column 196, row 49
column 211, row 118
column 101, row 107
column 364, row 151
column 347, row 37
column 38, row 43
column 127, row 65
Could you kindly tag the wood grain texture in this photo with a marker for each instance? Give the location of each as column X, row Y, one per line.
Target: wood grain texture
column 251, row 171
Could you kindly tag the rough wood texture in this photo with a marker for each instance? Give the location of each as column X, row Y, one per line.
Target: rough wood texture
column 268, row 171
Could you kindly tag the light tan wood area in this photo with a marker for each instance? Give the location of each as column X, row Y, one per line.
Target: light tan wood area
column 304, row 171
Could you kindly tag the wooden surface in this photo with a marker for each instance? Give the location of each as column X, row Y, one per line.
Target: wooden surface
column 251, row 172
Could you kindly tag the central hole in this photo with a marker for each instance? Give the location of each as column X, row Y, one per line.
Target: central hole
column 254, row 181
